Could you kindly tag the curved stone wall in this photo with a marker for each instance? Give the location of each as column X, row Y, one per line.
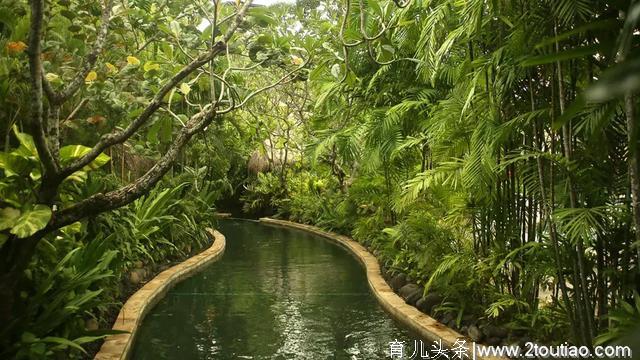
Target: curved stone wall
column 422, row 324
column 133, row 311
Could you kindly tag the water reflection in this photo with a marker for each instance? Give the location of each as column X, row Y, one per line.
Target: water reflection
column 276, row 294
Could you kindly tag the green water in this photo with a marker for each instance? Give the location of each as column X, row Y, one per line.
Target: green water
column 275, row 294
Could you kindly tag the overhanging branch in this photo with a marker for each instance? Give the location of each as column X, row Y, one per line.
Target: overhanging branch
column 57, row 98
column 118, row 137
column 101, row 202
column 36, row 120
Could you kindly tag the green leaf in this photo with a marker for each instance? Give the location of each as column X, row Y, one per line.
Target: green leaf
column 8, row 217
column 175, row 27
column 375, row 6
column 165, row 130
column 68, row 14
column 185, row 88
column 577, row 52
column 71, row 152
column 71, row 229
column 27, row 146
column 150, row 66
column 600, row 24
column 261, row 18
column 335, row 71
column 62, row 341
column 32, row 221
column 15, row 164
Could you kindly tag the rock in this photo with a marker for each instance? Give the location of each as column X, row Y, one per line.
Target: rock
column 413, row 298
column 386, row 274
column 493, row 341
column 427, row 303
column 523, row 341
column 134, row 278
column 410, row 293
column 447, row 318
column 464, row 329
column 495, row 331
column 138, row 264
column 468, row 319
column 91, row 324
column 137, row 275
column 474, row 333
column 398, row 281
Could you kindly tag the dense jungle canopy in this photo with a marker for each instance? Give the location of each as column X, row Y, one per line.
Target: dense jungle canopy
column 486, row 149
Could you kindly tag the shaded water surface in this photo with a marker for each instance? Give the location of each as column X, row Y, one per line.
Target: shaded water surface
column 275, row 294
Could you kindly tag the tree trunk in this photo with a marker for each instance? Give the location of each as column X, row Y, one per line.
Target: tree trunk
column 632, row 136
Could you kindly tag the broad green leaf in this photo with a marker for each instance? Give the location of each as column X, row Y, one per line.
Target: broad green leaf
column 185, row 88
column 71, row 152
column 68, row 14
column 15, row 165
column 32, row 221
column 52, row 78
column 262, row 19
column 8, row 217
column 78, row 176
column 71, row 229
column 206, row 33
column 91, row 76
column 27, row 146
column 149, row 66
column 133, row 61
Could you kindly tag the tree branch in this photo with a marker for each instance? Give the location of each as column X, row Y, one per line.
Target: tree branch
column 57, row 98
column 100, row 202
column 282, row 80
column 113, row 138
column 36, row 123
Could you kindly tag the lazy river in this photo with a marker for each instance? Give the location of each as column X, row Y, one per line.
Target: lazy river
column 275, row 294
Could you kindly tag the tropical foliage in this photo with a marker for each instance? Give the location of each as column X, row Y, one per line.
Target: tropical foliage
column 480, row 147
column 486, row 149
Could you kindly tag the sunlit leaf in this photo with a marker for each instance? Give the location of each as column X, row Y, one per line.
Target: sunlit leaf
column 91, row 76
column 149, row 66
column 27, row 146
column 185, row 88
column 70, row 152
column 32, row 221
column 133, row 61
column 8, row 217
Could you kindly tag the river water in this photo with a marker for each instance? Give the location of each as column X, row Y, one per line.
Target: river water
column 275, row 294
